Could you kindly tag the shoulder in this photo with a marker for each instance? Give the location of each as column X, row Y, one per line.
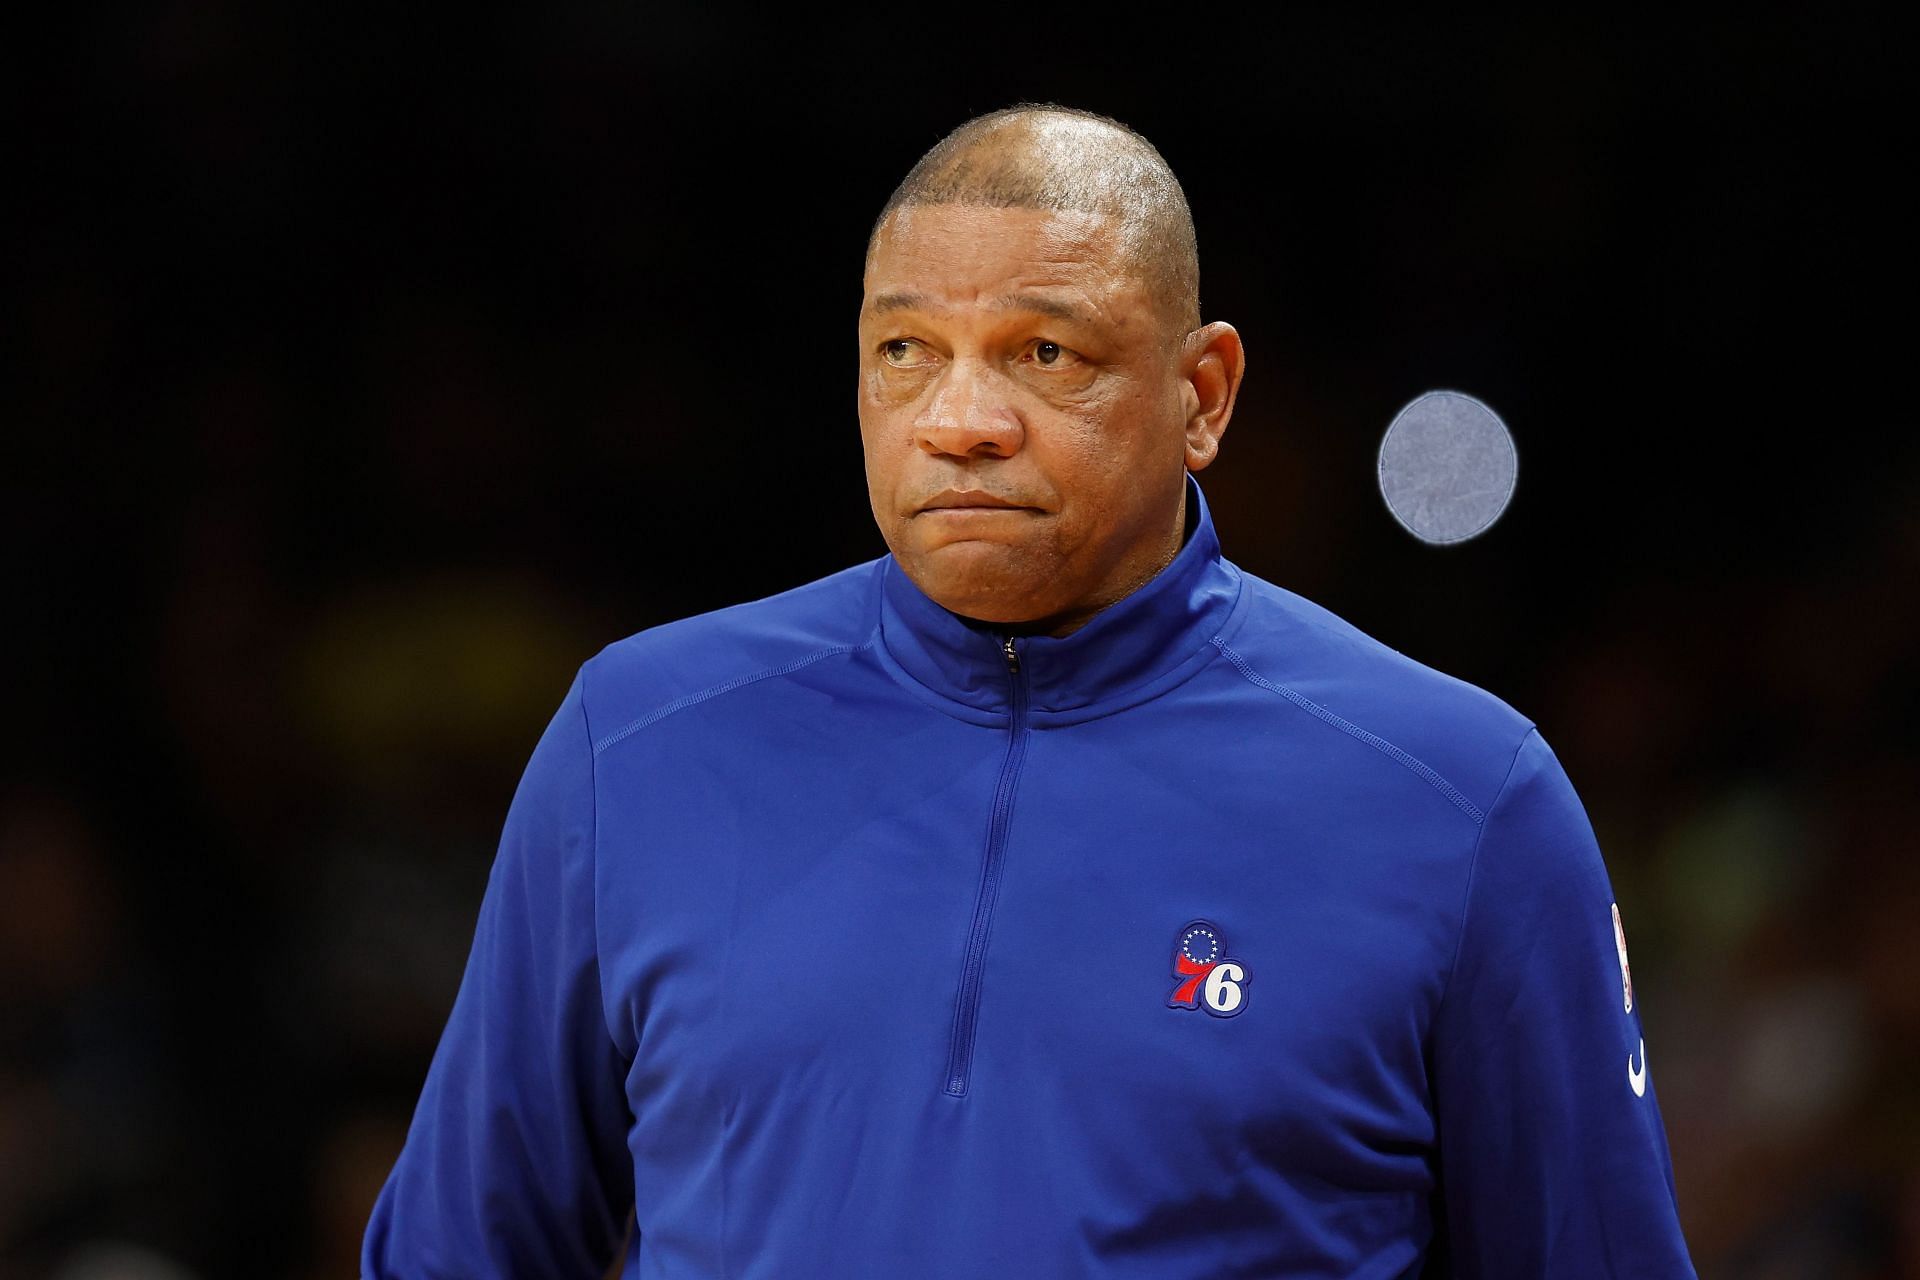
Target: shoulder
column 675, row 664
column 1461, row 737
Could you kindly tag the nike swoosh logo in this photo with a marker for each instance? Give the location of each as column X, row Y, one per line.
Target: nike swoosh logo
column 1638, row 1079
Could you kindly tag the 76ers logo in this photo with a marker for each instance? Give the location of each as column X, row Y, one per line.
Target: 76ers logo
column 1210, row 979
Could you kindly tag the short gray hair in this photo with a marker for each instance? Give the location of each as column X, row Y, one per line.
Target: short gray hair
column 1039, row 155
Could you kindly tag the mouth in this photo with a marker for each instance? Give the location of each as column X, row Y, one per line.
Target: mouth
column 969, row 502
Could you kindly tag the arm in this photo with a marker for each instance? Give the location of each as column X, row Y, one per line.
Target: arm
column 516, row 1163
column 1553, row 1156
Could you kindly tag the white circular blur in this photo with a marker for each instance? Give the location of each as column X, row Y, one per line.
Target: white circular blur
column 1447, row 467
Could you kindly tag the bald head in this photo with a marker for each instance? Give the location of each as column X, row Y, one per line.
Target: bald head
column 1056, row 158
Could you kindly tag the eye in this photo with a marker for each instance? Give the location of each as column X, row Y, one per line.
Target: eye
column 1051, row 355
column 902, row 353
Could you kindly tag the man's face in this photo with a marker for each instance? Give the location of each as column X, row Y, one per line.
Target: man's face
column 1014, row 355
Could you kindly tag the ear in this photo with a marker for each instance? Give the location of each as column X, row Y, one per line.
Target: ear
column 1211, row 362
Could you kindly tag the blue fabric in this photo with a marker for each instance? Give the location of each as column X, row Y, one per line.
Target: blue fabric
column 835, row 946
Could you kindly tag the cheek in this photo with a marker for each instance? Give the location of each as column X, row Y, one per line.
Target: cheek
column 888, row 390
column 1114, row 437
column 881, row 415
column 1080, row 454
column 885, row 445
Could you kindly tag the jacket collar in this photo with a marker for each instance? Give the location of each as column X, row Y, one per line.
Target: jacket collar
column 1131, row 650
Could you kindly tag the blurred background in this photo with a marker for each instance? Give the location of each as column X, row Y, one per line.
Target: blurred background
column 375, row 367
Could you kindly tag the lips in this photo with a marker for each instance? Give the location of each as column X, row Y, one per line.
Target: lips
column 970, row 500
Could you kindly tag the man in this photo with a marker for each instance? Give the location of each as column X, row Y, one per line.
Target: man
column 1049, row 896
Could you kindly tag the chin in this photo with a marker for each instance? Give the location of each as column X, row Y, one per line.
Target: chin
column 990, row 581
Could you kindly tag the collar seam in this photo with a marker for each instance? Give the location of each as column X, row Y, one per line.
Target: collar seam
column 725, row 686
column 1413, row 764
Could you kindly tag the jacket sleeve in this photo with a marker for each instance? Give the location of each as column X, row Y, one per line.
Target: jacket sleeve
column 1553, row 1157
column 515, row 1164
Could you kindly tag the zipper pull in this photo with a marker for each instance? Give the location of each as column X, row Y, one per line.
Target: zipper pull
column 1013, row 655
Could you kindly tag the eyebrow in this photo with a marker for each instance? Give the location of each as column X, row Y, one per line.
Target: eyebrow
column 886, row 302
column 1039, row 304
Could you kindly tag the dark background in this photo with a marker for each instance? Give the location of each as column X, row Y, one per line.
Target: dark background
column 375, row 368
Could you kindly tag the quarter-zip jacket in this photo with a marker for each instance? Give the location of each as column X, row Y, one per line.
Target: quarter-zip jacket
column 834, row 934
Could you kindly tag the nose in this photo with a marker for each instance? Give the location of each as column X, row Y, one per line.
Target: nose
column 969, row 415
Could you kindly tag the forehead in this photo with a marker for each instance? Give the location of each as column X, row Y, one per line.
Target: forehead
column 953, row 256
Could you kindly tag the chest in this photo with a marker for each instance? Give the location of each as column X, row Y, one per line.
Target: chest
column 1190, row 916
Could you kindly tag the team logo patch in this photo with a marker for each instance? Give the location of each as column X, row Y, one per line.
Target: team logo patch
column 1209, row 978
column 1620, row 944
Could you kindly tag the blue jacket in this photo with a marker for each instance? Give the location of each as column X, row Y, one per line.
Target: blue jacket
column 837, row 935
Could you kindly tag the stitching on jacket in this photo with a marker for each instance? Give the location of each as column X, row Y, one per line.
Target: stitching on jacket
column 1378, row 743
column 593, row 861
column 1473, row 868
column 692, row 699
